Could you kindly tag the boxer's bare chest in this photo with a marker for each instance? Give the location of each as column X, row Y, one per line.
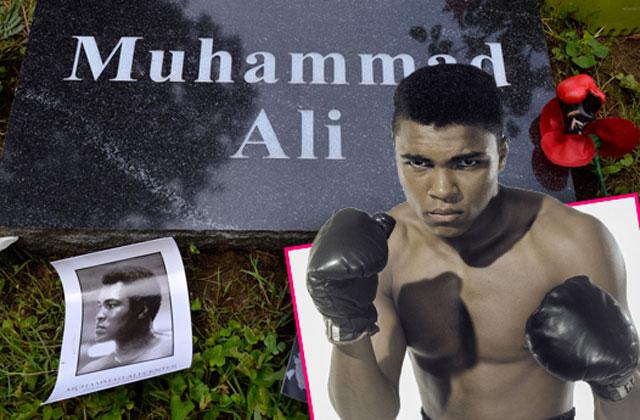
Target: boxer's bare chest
column 460, row 314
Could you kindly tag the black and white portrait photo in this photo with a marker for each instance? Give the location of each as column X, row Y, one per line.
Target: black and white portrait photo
column 619, row 215
column 127, row 317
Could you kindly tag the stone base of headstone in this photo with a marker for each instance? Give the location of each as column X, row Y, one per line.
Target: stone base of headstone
column 73, row 242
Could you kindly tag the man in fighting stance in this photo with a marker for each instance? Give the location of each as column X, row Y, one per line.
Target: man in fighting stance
column 501, row 297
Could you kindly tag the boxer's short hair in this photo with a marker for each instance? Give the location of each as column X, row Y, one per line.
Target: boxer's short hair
column 447, row 94
column 150, row 294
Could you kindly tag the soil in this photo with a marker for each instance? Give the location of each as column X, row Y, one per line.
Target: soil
column 626, row 55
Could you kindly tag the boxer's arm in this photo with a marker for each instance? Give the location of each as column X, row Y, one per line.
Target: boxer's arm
column 365, row 373
column 626, row 409
column 610, row 275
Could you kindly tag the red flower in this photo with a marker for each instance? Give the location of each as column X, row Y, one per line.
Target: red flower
column 566, row 123
column 570, row 150
column 618, row 136
column 574, row 90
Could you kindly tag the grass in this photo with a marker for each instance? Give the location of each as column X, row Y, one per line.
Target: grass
column 15, row 22
column 243, row 330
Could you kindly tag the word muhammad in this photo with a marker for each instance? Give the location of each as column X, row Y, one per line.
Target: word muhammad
column 215, row 66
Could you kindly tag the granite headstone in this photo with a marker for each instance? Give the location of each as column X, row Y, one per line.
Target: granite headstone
column 241, row 119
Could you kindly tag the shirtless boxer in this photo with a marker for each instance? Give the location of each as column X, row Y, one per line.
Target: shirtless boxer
column 501, row 297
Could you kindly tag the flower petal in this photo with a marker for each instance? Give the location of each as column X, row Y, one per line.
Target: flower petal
column 618, row 136
column 574, row 89
column 551, row 118
column 570, row 150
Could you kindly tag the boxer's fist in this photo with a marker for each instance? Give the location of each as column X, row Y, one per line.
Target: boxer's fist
column 579, row 332
column 346, row 257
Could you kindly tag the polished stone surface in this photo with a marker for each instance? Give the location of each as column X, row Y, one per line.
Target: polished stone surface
column 108, row 144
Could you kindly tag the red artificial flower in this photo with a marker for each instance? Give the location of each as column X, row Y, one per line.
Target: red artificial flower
column 570, row 150
column 617, row 135
column 574, row 90
column 566, row 123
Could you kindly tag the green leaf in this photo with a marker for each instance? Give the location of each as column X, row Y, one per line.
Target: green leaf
column 200, row 393
column 214, row 356
column 180, row 409
column 238, row 399
column 231, row 345
column 211, row 414
column 269, row 376
column 247, row 366
column 196, row 305
column 10, row 20
column 627, row 160
column 28, row 322
column 572, row 49
column 271, row 343
column 598, row 49
column 264, row 399
column 621, row 189
column 584, row 61
column 57, row 413
column 628, row 81
column 250, row 336
column 193, row 250
column 278, row 415
column 177, row 384
column 113, row 414
column 559, row 54
column 47, row 412
column 611, row 169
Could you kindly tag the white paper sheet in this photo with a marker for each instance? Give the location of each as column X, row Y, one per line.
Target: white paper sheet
column 100, row 319
column 5, row 241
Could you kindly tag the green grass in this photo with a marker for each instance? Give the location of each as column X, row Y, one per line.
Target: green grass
column 243, row 330
column 15, row 22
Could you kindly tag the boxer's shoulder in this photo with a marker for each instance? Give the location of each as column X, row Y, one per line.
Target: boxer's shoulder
column 578, row 244
column 410, row 234
column 568, row 225
column 403, row 214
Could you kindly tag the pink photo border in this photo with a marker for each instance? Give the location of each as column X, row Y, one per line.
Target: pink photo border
column 612, row 198
column 305, row 246
column 298, row 330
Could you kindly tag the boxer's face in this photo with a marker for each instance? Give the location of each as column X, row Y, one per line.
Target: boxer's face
column 449, row 174
column 114, row 312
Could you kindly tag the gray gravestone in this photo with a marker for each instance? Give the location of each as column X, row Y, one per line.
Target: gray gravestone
column 242, row 117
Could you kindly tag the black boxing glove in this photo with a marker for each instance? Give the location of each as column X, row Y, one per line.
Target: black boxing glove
column 579, row 332
column 342, row 277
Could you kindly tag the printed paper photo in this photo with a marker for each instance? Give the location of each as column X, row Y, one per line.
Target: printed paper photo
column 126, row 317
